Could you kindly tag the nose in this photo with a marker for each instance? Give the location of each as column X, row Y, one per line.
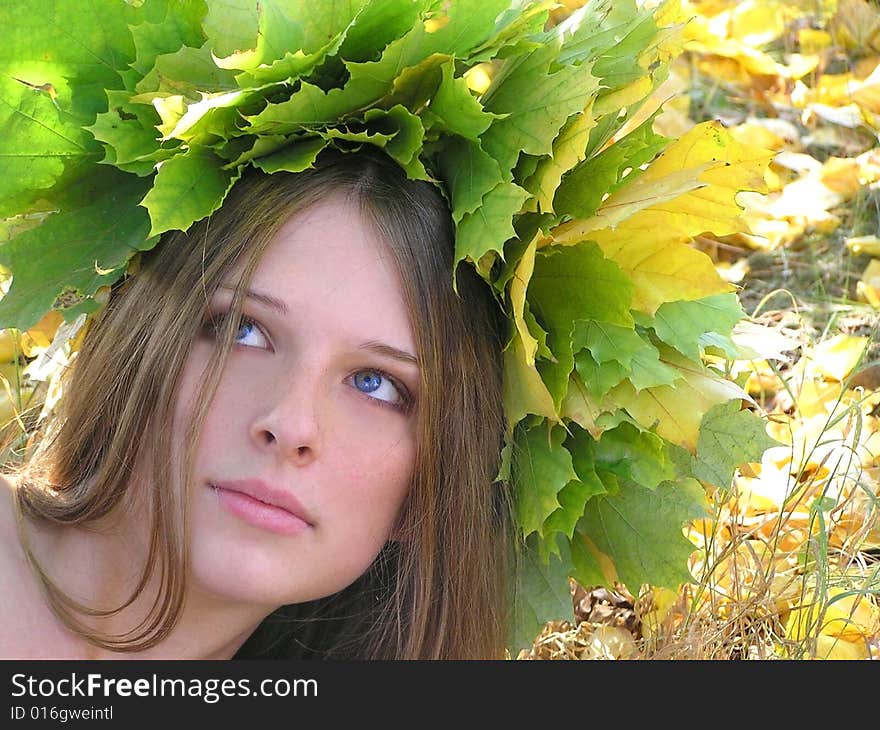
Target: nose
column 288, row 425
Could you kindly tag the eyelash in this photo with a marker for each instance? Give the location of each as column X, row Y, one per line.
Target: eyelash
column 214, row 324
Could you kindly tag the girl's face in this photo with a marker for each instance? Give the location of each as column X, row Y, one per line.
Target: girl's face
column 308, row 446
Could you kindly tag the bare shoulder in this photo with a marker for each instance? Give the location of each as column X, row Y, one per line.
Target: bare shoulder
column 8, row 520
column 21, row 605
column 12, row 563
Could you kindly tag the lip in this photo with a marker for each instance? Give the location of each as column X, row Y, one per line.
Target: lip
column 263, row 505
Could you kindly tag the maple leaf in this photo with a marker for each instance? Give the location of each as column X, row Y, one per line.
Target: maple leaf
column 541, row 591
column 642, row 529
column 187, row 188
column 689, row 189
column 729, row 437
column 544, row 468
column 675, row 412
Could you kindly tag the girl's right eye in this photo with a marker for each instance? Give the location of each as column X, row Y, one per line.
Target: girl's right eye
column 248, row 334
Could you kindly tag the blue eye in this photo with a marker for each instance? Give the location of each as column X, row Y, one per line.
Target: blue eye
column 368, row 381
column 248, row 334
column 380, row 387
column 250, row 330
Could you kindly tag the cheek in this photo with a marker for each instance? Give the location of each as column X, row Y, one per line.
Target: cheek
column 190, row 378
column 376, row 483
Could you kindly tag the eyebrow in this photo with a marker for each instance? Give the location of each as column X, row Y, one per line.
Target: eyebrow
column 264, row 299
column 380, row 348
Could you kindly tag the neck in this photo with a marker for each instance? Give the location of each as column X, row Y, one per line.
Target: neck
column 99, row 569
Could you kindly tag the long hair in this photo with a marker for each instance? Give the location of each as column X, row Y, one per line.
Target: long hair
column 438, row 590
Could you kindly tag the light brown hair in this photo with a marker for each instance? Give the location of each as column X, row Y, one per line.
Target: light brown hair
column 437, row 591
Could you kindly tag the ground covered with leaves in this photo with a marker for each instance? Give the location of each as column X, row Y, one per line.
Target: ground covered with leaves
column 787, row 565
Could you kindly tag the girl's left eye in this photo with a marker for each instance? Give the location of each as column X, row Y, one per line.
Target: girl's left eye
column 381, row 387
column 250, row 334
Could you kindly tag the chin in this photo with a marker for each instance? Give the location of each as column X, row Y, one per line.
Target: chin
column 260, row 574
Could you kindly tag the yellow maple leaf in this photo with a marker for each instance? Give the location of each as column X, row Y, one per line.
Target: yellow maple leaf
column 688, row 190
column 848, row 616
column 579, row 406
column 812, row 40
column 522, row 274
column 39, row 337
column 868, row 289
column 757, row 23
column 569, row 148
column 856, row 25
column 832, row 647
column 676, row 411
column 523, row 389
column 863, row 244
column 9, row 345
column 836, row 357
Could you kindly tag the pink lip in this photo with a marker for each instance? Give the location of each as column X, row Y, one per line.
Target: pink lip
column 262, row 505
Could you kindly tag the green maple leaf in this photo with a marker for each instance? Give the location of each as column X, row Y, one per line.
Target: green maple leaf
column 295, row 157
column 186, row 189
column 599, row 378
column 189, row 72
column 594, row 28
column 128, row 133
column 294, row 37
column 541, row 592
column 544, row 467
column 578, row 282
column 684, row 324
column 573, row 496
column 616, row 353
column 607, row 342
column 642, row 529
column 456, row 108
column 555, row 371
column 376, row 25
column 469, row 24
column 582, row 189
column 649, row 371
column 48, row 49
column 44, row 142
column 470, row 173
column 488, row 227
column 406, row 137
column 570, row 283
column 527, row 128
column 172, row 26
column 729, row 437
column 42, row 268
column 635, row 455
column 232, row 25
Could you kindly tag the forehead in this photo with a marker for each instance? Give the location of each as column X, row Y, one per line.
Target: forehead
column 327, row 262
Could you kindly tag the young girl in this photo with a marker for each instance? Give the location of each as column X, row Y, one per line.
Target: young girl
column 278, row 439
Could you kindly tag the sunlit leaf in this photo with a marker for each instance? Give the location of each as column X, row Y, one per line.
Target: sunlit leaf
column 729, row 437
column 684, row 325
column 661, row 408
column 187, row 188
column 42, row 270
column 647, row 238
